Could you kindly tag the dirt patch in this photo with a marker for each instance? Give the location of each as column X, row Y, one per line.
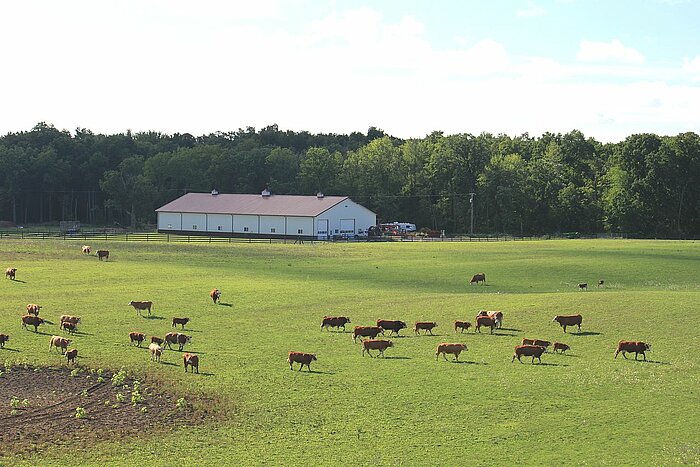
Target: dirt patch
column 38, row 407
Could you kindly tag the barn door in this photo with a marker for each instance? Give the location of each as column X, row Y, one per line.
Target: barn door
column 322, row 231
column 347, row 227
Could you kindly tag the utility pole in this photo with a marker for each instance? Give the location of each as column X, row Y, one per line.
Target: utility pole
column 471, row 203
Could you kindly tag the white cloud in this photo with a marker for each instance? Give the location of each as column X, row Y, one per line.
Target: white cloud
column 531, row 11
column 692, row 66
column 613, row 51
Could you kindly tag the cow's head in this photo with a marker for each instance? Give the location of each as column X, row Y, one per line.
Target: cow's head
column 647, row 346
column 483, row 313
column 347, row 320
column 313, row 356
column 402, row 325
column 556, row 318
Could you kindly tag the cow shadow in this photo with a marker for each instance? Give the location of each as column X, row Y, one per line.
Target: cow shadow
column 511, row 329
column 507, row 334
column 42, row 333
column 397, row 358
column 565, row 354
column 9, row 349
column 586, row 333
column 551, row 364
column 467, row 362
column 81, row 333
column 318, row 372
column 20, row 281
column 203, row 373
column 46, row 321
column 168, row 363
column 225, row 304
column 153, row 317
column 656, row 362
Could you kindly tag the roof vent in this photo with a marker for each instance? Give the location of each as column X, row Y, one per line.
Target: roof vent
column 266, row 193
column 319, row 195
column 214, row 192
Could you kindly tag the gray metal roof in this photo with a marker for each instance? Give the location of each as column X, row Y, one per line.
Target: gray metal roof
column 274, row 205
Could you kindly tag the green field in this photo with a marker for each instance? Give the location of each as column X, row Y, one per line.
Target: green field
column 584, row 408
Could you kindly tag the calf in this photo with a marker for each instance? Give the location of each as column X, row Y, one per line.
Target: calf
column 454, row 349
column 70, row 319
column 534, row 351
column 176, row 338
column 424, row 325
column 3, row 338
column 380, row 345
column 366, row 331
column 569, row 320
column 215, row 295
column 68, row 326
column 33, row 309
column 86, row 250
column 103, row 254
column 140, row 306
column 302, row 358
column 10, row 273
column 334, row 322
column 156, row 351
column 59, row 342
column 476, row 278
column 71, row 355
column 484, row 321
column 157, row 340
column 137, row 337
column 180, row 321
column 631, row 346
column 31, row 320
column 191, row 360
column 462, row 325
column 601, row 283
column 560, row 346
column 390, row 325
column 537, row 342
column 583, row 286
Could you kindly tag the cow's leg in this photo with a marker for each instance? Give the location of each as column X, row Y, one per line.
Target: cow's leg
column 579, row 328
column 645, row 356
column 457, row 356
column 564, row 326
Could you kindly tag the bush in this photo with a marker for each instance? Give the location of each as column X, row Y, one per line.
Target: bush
column 119, row 378
column 80, row 412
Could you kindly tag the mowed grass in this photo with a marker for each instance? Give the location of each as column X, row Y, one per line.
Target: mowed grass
column 581, row 408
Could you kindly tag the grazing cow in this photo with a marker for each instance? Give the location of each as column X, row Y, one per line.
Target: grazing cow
column 631, row 346
column 103, row 254
column 560, row 346
column 192, row 360
column 176, row 338
column 601, row 283
column 10, row 273
column 215, row 295
column 583, row 286
column 537, row 342
column 3, row 338
column 157, row 340
column 569, row 320
column 86, row 249
column 496, row 316
column 534, row 351
column 371, row 344
column 33, row 309
column 156, row 351
column 137, row 337
column 70, row 319
column 334, row 322
column 484, row 321
column 462, row 325
column 366, row 331
column 424, row 325
column 390, row 325
column 31, row 320
column 302, row 358
column 71, row 355
column 140, row 306
column 180, row 321
column 476, row 278
column 68, row 326
column 454, row 349
column 59, row 342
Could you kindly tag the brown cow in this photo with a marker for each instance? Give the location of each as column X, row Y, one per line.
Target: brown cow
column 496, row 316
column 157, row 340
column 534, row 351
column 334, row 322
column 103, row 254
column 424, row 325
column 59, row 342
column 391, row 325
column 3, row 338
column 215, row 295
column 68, row 326
column 569, row 320
column 139, row 306
column 156, row 351
column 476, row 278
column 10, row 273
column 454, row 349
column 631, row 346
column 583, row 286
column 137, row 337
column 180, row 321
column 192, row 360
column 371, row 344
column 33, row 309
column 462, row 325
column 366, row 331
column 71, row 355
column 484, row 321
column 86, row 249
column 560, row 346
column 537, row 342
column 31, row 320
column 70, row 319
column 302, row 358
column 176, row 338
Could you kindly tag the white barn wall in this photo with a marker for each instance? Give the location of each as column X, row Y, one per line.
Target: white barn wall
column 364, row 218
column 267, row 223
column 190, row 220
column 305, row 224
column 216, row 220
column 242, row 221
column 169, row 221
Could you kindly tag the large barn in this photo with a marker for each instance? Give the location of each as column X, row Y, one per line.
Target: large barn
column 265, row 215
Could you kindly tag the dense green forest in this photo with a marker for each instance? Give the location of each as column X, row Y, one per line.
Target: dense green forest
column 646, row 185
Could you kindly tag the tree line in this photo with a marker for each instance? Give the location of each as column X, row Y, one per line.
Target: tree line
column 646, row 185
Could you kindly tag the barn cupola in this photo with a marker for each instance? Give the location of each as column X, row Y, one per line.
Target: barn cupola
column 266, row 193
column 214, row 192
column 319, row 195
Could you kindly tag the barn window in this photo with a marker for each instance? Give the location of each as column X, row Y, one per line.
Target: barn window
column 336, row 230
column 194, row 227
column 300, row 231
column 170, row 226
column 245, row 229
column 218, row 227
column 272, row 230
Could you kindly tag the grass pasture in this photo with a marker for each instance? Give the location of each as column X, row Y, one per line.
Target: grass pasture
column 582, row 408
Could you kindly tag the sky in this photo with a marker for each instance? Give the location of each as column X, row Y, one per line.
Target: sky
column 607, row 68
